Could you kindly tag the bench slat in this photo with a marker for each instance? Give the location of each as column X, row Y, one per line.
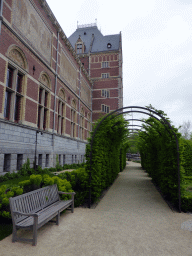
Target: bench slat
column 45, row 213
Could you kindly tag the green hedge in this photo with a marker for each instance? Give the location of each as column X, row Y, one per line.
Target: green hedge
column 158, row 152
column 79, row 180
column 106, row 159
column 186, row 155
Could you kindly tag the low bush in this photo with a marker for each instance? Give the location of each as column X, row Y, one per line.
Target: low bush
column 79, row 181
column 5, row 194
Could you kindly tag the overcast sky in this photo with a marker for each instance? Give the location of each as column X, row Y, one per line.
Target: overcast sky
column 157, row 47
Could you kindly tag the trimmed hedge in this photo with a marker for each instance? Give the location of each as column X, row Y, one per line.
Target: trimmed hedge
column 106, row 159
column 158, row 151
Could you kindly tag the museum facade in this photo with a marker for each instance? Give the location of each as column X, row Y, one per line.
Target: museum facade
column 48, row 95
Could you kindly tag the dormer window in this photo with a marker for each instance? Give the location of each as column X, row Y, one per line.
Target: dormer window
column 79, row 48
column 109, row 45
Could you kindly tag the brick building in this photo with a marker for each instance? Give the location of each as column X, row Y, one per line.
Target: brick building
column 50, row 87
column 102, row 59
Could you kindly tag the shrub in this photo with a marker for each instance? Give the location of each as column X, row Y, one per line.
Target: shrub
column 17, row 191
column 47, row 181
column 35, row 179
column 79, row 181
column 5, row 194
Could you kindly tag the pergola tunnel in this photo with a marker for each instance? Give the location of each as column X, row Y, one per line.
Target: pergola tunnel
column 156, row 129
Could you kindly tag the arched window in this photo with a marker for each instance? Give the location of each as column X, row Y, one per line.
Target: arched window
column 82, row 124
column 44, row 101
column 15, row 84
column 73, row 119
column 88, row 124
column 61, row 113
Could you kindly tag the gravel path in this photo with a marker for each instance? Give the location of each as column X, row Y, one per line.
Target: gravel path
column 132, row 219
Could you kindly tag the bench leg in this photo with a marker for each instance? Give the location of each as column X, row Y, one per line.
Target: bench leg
column 35, row 231
column 58, row 218
column 14, row 234
column 72, row 207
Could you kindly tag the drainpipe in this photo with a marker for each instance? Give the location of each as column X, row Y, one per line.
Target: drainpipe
column 1, row 13
column 56, row 75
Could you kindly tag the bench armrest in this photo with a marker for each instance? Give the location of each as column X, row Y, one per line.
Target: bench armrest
column 26, row 214
column 69, row 193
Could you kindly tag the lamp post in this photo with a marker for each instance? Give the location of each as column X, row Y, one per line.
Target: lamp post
column 35, row 162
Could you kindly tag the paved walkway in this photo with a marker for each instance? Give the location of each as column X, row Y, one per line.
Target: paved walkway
column 132, row 219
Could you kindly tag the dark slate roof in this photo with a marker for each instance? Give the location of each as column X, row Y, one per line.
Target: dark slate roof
column 100, row 42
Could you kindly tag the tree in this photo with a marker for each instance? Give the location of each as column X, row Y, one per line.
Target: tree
column 184, row 129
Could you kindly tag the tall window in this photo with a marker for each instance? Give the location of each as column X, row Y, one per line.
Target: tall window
column 73, row 119
column 13, row 94
column 88, row 124
column 61, row 118
column 43, row 109
column 105, row 108
column 105, row 93
column 82, row 121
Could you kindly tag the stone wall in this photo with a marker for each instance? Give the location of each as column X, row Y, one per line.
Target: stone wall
column 18, row 143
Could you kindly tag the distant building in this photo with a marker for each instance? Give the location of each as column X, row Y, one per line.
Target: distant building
column 52, row 85
column 102, row 59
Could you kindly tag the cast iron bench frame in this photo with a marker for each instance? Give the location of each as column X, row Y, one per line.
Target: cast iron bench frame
column 32, row 210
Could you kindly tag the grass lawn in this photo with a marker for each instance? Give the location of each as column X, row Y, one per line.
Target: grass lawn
column 14, row 182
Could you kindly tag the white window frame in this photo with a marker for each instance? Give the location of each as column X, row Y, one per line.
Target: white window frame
column 105, row 64
column 105, row 75
column 105, row 108
column 105, row 93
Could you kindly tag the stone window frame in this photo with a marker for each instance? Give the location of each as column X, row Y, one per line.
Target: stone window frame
column 105, row 64
column 73, row 118
column 19, row 161
column 47, row 160
column 105, row 75
column 61, row 112
column 105, row 108
column 44, row 101
column 105, row 93
column 88, row 124
column 82, row 124
column 14, row 96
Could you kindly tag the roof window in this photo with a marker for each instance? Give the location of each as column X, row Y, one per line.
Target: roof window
column 85, row 33
column 109, row 45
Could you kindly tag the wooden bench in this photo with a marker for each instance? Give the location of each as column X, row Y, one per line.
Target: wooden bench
column 32, row 210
